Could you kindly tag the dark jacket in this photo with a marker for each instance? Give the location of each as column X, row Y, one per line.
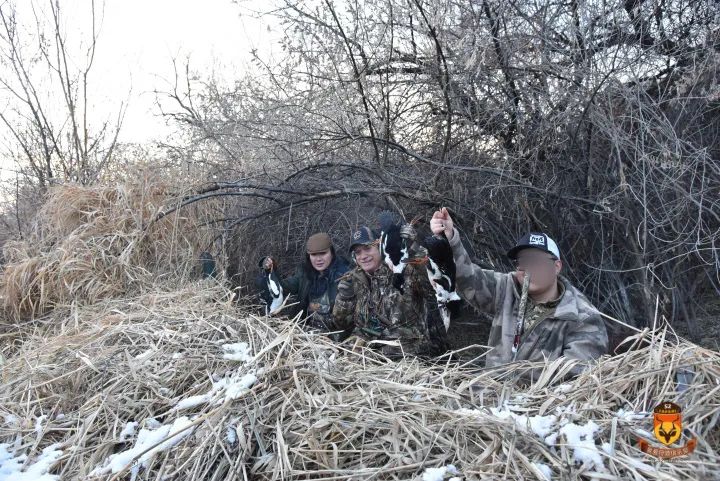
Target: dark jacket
column 303, row 281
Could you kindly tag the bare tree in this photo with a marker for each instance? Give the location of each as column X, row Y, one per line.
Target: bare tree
column 45, row 83
column 595, row 121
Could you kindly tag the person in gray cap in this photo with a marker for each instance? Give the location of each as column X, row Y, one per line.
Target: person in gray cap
column 557, row 319
column 376, row 308
column 314, row 282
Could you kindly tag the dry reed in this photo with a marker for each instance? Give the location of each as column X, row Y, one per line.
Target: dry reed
column 325, row 411
column 92, row 243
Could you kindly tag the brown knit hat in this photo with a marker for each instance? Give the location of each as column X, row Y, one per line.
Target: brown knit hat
column 319, row 242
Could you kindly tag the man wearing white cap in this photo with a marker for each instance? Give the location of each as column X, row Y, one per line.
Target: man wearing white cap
column 557, row 319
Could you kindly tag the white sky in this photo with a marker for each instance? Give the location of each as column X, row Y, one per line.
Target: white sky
column 138, row 40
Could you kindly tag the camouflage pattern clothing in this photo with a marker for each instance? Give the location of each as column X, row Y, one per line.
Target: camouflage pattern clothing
column 376, row 310
column 569, row 326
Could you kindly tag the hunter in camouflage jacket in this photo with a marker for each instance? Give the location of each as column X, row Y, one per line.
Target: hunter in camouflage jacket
column 569, row 326
column 380, row 311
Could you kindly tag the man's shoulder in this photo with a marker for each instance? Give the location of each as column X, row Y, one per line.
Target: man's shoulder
column 574, row 305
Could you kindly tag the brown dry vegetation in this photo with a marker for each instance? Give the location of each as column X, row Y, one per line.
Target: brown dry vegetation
column 596, row 122
column 326, row 411
column 90, row 243
column 73, row 378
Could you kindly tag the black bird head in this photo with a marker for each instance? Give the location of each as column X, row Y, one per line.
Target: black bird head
column 391, row 243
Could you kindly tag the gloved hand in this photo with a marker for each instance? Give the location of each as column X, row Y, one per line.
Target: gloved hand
column 345, row 289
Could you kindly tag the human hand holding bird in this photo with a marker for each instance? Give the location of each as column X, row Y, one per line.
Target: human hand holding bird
column 442, row 223
column 268, row 264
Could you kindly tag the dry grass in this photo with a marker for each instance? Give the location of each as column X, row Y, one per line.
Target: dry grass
column 115, row 336
column 92, row 243
column 320, row 410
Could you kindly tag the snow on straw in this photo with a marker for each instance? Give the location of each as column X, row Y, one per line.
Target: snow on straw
column 231, row 435
column 630, row 415
column 581, row 439
column 11, row 466
column 540, row 425
column 227, row 388
column 128, row 431
column 38, row 425
column 11, row 420
column 153, row 441
column 233, row 386
column 438, row 474
column 193, row 401
column 239, row 351
column 545, row 470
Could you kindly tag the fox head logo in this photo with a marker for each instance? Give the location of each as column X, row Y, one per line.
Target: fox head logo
column 667, row 422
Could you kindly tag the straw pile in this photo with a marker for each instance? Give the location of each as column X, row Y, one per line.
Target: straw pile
column 161, row 386
column 91, row 243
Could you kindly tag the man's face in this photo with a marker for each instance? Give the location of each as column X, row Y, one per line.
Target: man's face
column 542, row 266
column 321, row 260
column 367, row 257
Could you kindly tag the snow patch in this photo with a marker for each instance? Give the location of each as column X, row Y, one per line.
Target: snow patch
column 193, row 401
column 128, row 431
column 11, row 466
column 234, row 387
column 11, row 420
column 438, row 474
column 581, row 439
column 160, row 439
column 152, row 423
column 563, row 388
column 629, row 415
column 551, row 439
column 540, row 425
column 225, row 389
column 231, row 436
column 38, row 425
column 545, row 470
column 239, row 351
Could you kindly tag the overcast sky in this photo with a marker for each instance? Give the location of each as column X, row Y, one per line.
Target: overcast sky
column 138, row 40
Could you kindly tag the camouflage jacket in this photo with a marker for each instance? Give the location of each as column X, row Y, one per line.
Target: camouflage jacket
column 379, row 311
column 570, row 326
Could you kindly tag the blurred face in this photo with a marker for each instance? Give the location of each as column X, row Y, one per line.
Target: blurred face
column 321, row 260
column 543, row 268
column 367, row 257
